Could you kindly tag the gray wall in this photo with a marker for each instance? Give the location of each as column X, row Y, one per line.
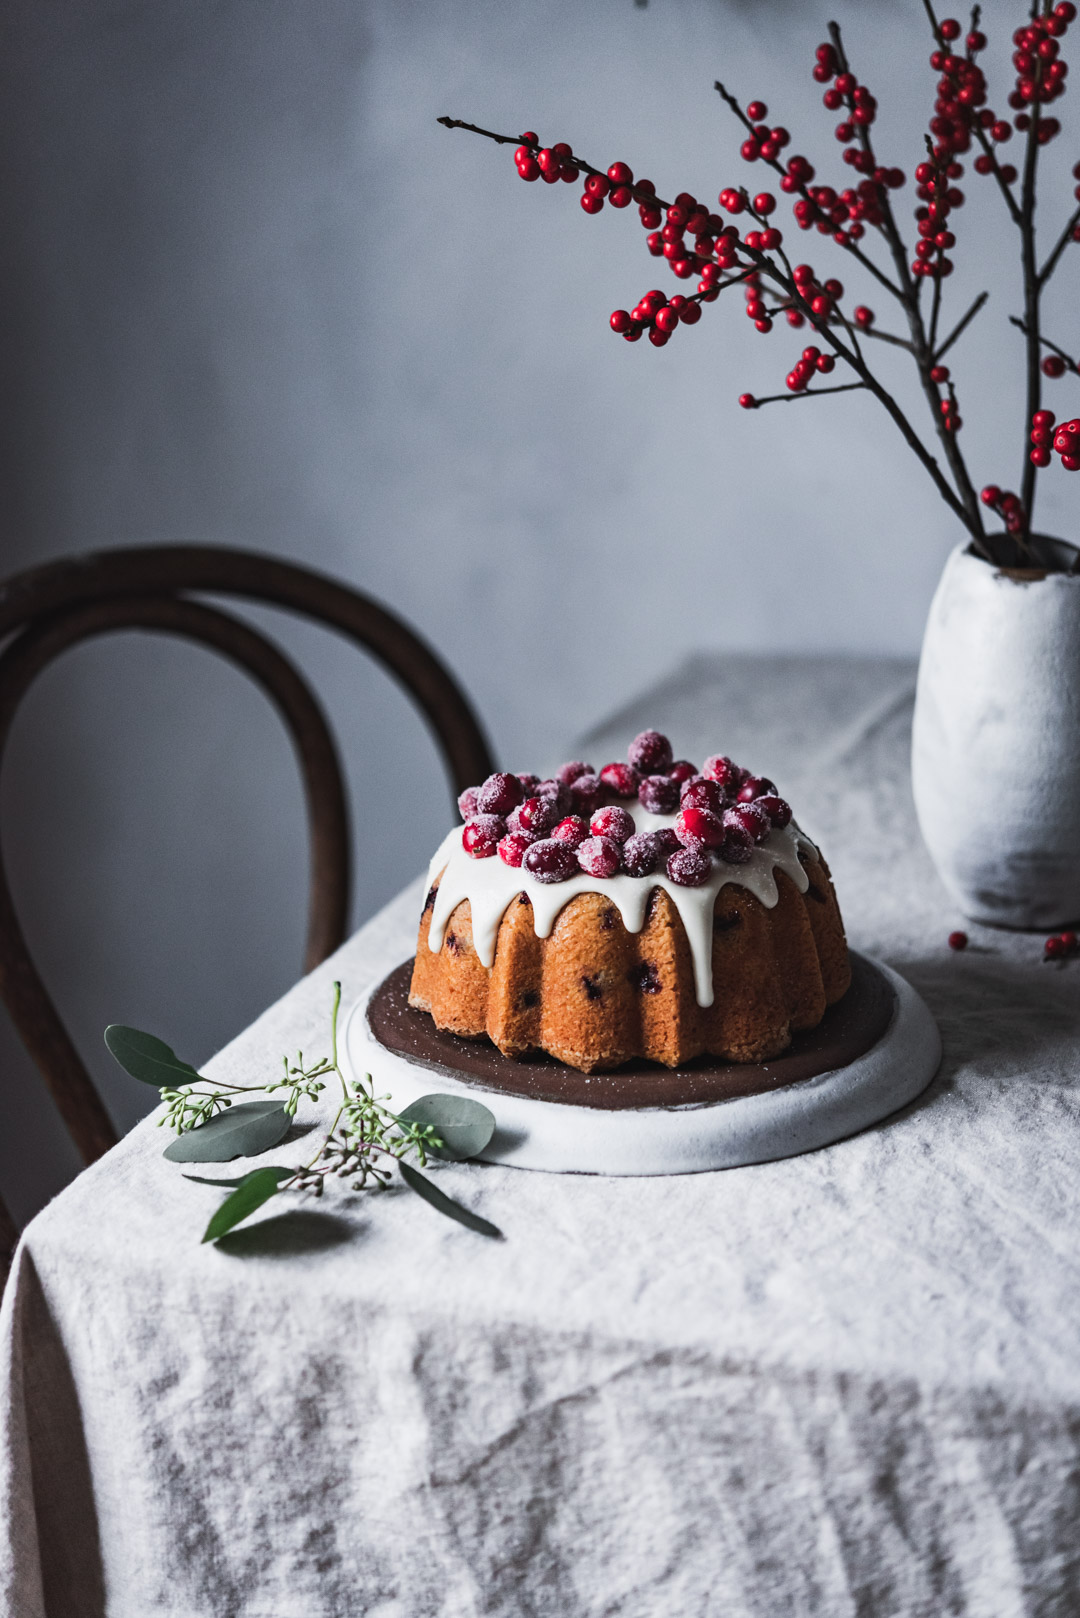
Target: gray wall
column 251, row 294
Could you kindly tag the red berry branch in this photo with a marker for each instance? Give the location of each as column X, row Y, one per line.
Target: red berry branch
column 860, row 218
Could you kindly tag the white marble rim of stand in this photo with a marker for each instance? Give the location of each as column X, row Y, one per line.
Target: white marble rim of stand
column 561, row 1139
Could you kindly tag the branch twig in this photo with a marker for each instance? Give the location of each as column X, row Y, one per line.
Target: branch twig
column 961, row 326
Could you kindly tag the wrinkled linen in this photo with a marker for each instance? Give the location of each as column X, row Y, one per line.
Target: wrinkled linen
column 844, row 1384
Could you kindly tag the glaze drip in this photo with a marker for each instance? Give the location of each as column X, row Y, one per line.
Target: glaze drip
column 490, row 886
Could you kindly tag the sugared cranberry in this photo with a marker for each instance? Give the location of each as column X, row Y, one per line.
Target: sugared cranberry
column 755, row 786
column 622, row 779
column 738, row 845
column 612, row 822
column 699, row 828
column 666, row 841
column 724, row 771
column 586, row 794
column 701, row 793
column 499, row 794
column 689, row 867
column 556, row 794
column 529, row 784
column 480, row 835
column 659, row 794
column 682, row 770
column 533, row 818
column 751, row 818
column 958, row 940
column 777, row 809
column 512, row 848
column 572, row 830
column 650, row 753
column 568, row 773
column 550, row 861
column 600, row 856
column 467, row 803
column 640, row 854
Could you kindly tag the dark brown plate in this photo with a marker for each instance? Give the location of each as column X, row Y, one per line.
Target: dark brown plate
column 847, row 1030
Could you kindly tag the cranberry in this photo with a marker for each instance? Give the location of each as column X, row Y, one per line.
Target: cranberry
column 666, row 841
column 512, row 848
column 752, row 818
column 723, row 771
column 703, row 794
column 568, row 773
column 755, row 786
column 659, row 794
column 529, row 784
column 533, row 818
column 612, row 822
column 550, row 861
column 958, row 940
column 699, row 828
column 650, row 753
column 778, row 811
column 622, row 779
column 467, row 803
column 499, row 794
column 689, row 867
column 738, row 846
column 1054, row 949
column 599, row 856
column 572, row 830
column 556, row 794
column 585, row 794
column 640, row 854
column 682, row 770
column 480, row 836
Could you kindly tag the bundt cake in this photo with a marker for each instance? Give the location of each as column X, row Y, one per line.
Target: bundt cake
column 650, row 910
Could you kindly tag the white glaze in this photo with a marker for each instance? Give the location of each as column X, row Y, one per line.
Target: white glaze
column 491, row 886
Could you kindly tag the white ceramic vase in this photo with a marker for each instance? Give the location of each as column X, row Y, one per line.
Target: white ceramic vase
column 996, row 740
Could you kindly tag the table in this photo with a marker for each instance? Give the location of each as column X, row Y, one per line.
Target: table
column 848, row 1383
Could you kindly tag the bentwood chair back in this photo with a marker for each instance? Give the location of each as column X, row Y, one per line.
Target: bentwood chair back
column 48, row 609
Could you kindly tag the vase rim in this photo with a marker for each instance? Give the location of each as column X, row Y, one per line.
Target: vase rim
column 1054, row 551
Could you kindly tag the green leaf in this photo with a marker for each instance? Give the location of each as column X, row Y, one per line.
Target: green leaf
column 242, row 1131
column 251, row 1192
column 282, row 1174
column 445, row 1205
column 464, row 1126
column 148, row 1059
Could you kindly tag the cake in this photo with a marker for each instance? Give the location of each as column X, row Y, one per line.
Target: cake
column 648, row 910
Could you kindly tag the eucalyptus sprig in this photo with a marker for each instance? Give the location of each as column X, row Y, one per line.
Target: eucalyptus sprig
column 363, row 1142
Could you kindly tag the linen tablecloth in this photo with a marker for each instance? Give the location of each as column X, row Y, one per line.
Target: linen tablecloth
column 844, row 1384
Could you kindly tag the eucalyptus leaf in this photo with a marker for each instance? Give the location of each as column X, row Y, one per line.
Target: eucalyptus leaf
column 203, row 1179
column 445, row 1205
column 241, row 1131
column 147, row 1058
column 463, row 1125
column 251, row 1192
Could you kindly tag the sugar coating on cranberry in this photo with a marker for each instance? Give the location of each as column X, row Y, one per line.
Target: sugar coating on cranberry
column 467, row 803
column 724, row 771
column 659, row 794
column 512, row 848
column 751, row 817
column 755, row 786
column 585, row 794
column 777, row 809
column 641, row 854
column 555, row 793
column 622, row 779
column 572, row 830
column 650, row 753
column 550, row 861
column 682, row 770
column 738, row 845
column 699, row 828
column 480, row 835
column 568, row 773
column 529, row 784
column 534, row 817
column 600, row 856
column 666, row 841
column 700, row 793
column 612, row 822
column 689, row 867
column 499, row 794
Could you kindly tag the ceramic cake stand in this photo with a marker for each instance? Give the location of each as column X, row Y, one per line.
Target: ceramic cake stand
column 873, row 1052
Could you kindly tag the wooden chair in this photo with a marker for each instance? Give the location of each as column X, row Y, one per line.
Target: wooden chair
column 48, row 609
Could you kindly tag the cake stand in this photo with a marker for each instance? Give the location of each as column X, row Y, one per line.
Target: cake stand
column 874, row 1052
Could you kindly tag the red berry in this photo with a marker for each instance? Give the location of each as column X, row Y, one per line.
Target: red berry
column 777, row 809
column 572, row 830
column 550, row 861
column 1053, row 365
column 699, row 828
column 958, row 940
column 701, row 793
column 755, row 786
column 529, row 169
column 738, row 846
column 864, row 317
column 990, row 495
column 950, row 28
column 620, row 174
column 585, row 795
column 724, row 771
column 530, row 138
column 650, row 753
column 689, row 867
column 467, row 803
column 667, row 319
column 747, row 401
column 591, row 204
column 622, row 779
column 512, row 848
column 640, row 854
column 682, row 770
column 1054, row 948
column 620, row 320
column 499, row 794
column 621, row 197
column 659, row 794
column 599, row 856
column 750, row 818
column 480, row 836
column 569, row 773
column 534, row 817
column 612, row 822
column 1070, row 941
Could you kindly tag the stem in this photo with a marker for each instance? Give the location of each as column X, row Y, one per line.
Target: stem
column 1046, row 343
column 807, row 393
column 887, row 337
column 1031, row 303
column 1062, row 242
column 963, row 324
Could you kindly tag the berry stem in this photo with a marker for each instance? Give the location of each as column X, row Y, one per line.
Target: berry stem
column 1046, row 343
column 806, row 393
column 1062, row 242
column 1032, row 290
column 961, row 326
